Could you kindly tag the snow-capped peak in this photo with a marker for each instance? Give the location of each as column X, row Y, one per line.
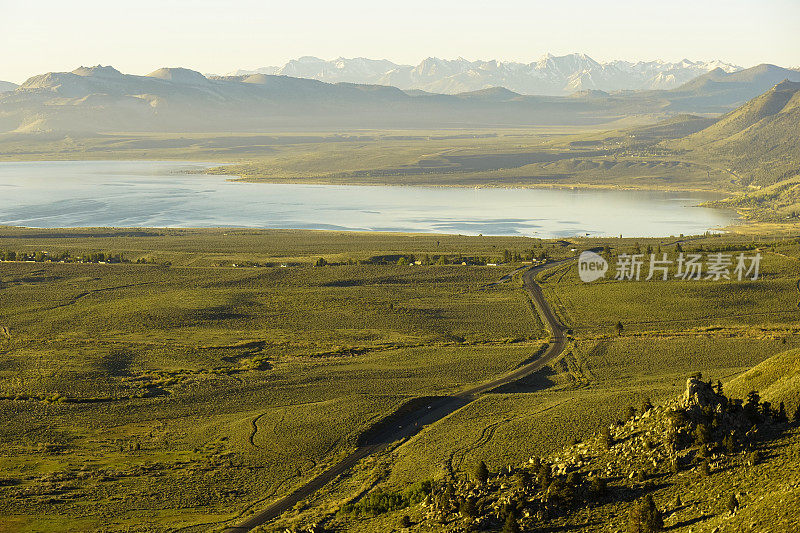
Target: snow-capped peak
column 550, row 74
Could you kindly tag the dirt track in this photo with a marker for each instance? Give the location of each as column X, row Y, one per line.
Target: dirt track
column 407, row 423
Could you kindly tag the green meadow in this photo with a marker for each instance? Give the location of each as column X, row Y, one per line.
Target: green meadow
column 188, row 393
column 181, row 390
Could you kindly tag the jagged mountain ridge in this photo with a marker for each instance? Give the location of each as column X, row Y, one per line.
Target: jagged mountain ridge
column 549, row 75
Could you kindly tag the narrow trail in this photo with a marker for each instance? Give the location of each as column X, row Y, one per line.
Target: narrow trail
column 254, row 430
column 74, row 299
column 488, row 434
column 403, row 425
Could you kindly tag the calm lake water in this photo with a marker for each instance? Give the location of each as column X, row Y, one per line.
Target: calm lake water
column 160, row 194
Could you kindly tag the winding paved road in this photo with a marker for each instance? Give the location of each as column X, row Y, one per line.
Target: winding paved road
column 409, row 423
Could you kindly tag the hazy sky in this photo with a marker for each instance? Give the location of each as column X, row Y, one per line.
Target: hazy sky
column 220, row 36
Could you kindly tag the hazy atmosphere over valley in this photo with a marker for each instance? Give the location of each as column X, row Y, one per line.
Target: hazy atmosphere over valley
column 422, row 267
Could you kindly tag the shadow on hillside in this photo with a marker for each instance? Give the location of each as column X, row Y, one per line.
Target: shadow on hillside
column 595, row 525
column 631, row 494
column 688, row 522
column 410, row 418
column 117, row 362
column 248, row 349
column 534, row 382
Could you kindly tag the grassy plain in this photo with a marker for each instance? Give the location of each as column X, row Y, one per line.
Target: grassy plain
column 672, row 329
column 147, row 397
column 226, row 369
column 167, row 395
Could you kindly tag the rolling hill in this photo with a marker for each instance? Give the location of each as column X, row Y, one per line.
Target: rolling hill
column 727, row 89
column 758, row 139
column 767, row 111
column 102, row 99
column 758, row 143
column 777, row 379
column 6, row 86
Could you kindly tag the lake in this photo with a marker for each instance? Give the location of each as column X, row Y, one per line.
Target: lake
column 50, row 194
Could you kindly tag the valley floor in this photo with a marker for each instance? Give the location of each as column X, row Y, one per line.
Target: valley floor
column 173, row 390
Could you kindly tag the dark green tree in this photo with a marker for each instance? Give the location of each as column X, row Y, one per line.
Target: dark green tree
column 733, row 504
column 523, row 478
column 729, row 444
column 646, row 406
column 645, row 517
column 606, row 440
column 481, row 473
column 781, row 416
column 766, row 410
column 702, row 434
column 468, row 509
column 445, row 498
column 545, row 476
column 752, row 407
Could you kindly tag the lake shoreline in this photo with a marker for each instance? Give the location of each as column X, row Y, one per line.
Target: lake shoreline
column 216, row 168
column 168, row 194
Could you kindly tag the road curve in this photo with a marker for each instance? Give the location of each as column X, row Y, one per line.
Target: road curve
column 410, row 423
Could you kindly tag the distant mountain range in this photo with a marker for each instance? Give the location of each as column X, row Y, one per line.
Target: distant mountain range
column 102, row 99
column 6, row 86
column 550, row 75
